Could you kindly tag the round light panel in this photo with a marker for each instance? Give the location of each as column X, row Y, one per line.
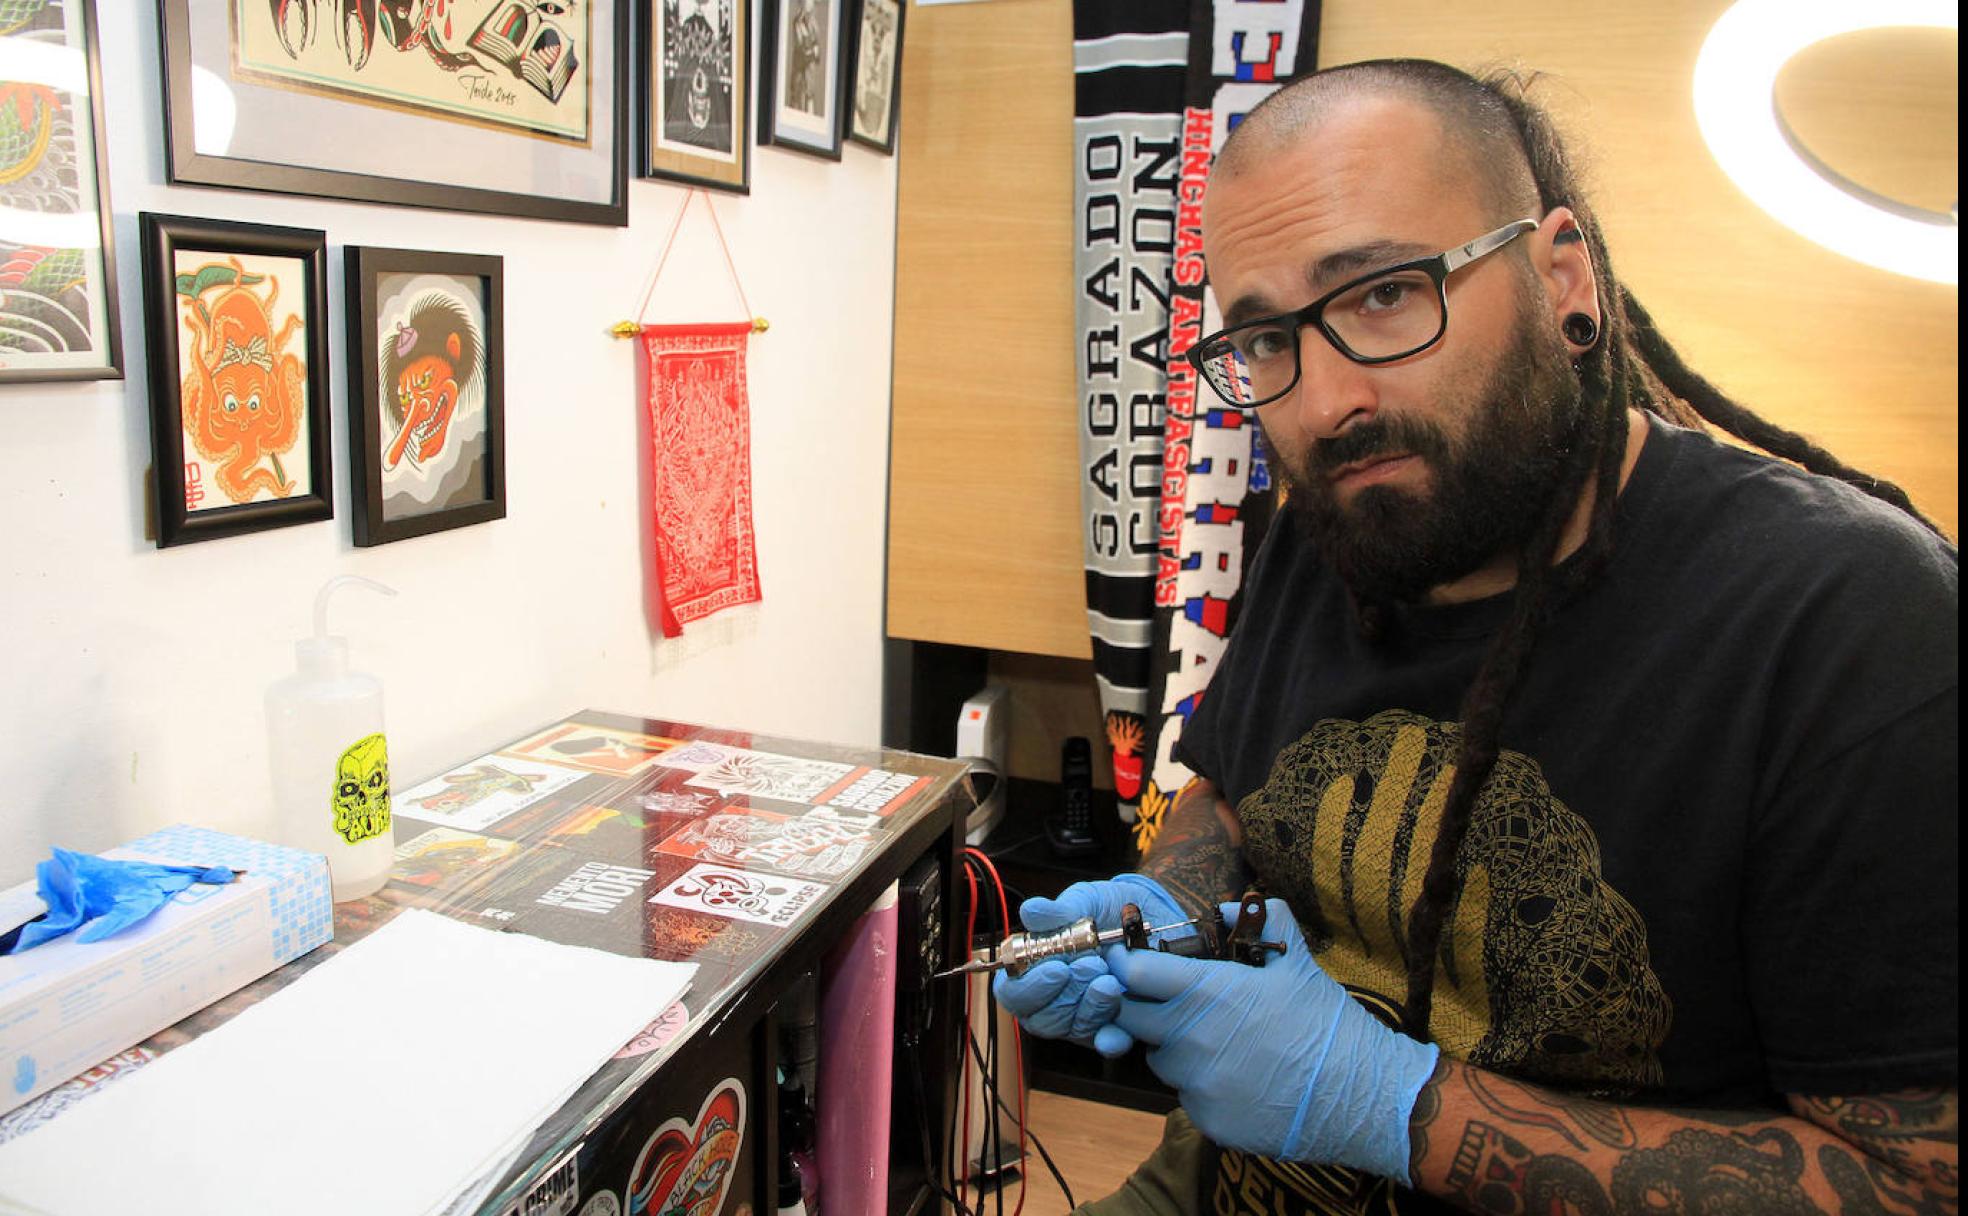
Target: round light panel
column 1735, row 106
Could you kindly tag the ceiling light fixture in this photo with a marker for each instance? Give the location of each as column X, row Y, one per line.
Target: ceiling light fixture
column 1735, row 105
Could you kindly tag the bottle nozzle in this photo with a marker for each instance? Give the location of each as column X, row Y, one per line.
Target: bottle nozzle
column 328, row 588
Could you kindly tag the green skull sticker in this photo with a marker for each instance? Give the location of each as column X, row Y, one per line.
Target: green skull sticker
column 362, row 790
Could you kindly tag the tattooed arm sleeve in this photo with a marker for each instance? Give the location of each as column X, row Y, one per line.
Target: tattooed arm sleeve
column 1490, row 1144
column 1199, row 855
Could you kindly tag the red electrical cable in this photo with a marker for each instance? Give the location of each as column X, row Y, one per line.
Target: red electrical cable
column 1017, row 1032
column 960, row 1168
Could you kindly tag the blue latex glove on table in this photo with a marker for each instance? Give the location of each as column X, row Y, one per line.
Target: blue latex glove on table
column 1077, row 999
column 1278, row 1059
column 102, row 897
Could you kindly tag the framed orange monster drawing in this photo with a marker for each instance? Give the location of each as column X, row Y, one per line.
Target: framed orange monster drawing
column 427, row 435
column 236, row 315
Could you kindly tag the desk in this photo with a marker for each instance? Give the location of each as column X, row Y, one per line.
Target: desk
column 749, row 856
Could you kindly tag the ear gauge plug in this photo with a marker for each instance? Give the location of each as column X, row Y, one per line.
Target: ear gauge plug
column 1581, row 330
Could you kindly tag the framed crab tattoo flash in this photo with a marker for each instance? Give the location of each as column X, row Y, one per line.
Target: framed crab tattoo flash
column 236, row 315
column 427, row 429
column 696, row 90
column 511, row 107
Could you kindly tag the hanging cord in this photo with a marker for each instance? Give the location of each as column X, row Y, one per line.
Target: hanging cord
column 629, row 329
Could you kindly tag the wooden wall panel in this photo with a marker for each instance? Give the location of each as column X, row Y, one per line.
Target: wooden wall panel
column 983, row 513
column 984, row 495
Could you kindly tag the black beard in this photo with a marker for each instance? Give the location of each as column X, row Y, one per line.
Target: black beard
column 1491, row 486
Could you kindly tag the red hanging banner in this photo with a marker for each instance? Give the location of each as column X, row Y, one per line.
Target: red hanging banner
column 700, row 472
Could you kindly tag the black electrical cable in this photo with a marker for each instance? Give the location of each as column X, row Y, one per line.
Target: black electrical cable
column 930, row 1172
column 994, row 1130
column 991, row 1084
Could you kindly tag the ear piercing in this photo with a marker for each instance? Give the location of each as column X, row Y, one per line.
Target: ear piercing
column 1581, row 330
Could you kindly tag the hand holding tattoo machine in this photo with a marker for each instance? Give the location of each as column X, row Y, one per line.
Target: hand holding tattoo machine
column 1242, row 943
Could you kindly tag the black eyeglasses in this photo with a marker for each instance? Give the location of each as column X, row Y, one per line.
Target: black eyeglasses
column 1377, row 318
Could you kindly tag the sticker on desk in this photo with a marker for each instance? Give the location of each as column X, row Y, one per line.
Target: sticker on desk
column 677, row 802
column 594, row 888
column 557, row 1191
column 602, row 1203
column 658, row 1034
column 698, row 755
column 481, row 794
column 441, row 854
column 687, row 1166
column 679, row 935
column 821, row 849
column 602, row 749
column 45, row 1108
column 761, row 899
column 768, row 775
column 871, row 791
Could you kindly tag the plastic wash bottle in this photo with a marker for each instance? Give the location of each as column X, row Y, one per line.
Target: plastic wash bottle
column 331, row 785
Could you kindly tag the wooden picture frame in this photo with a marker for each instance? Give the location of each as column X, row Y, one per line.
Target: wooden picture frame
column 803, row 60
column 874, row 89
column 695, row 92
column 58, row 312
column 520, row 109
column 237, row 317
column 426, row 391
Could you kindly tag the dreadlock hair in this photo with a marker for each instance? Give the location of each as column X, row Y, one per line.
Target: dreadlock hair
column 1631, row 366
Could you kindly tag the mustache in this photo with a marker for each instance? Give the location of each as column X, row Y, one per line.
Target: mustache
column 1377, row 437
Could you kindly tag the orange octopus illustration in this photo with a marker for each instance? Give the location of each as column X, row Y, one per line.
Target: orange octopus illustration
column 245, row 395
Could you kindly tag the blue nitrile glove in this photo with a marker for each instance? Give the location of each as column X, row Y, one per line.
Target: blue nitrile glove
column 1077, row 999
column 104, row 897
column 1277, row 1059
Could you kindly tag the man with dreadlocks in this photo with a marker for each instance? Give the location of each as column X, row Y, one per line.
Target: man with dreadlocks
column 1605, row 774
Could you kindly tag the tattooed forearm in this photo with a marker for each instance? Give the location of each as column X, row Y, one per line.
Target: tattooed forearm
column 1491, row 1144
column 1199, row 854
column 1911, row 1135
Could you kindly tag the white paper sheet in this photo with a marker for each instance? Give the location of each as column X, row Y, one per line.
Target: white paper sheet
column 382, row 1082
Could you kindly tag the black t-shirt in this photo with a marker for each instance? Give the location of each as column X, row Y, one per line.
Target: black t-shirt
column 1717, row 861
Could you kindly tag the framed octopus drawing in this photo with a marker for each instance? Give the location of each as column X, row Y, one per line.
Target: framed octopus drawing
column 427, row 431
column 237, row 316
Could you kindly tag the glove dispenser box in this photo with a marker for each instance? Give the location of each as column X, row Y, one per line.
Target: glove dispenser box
column 65, row 1006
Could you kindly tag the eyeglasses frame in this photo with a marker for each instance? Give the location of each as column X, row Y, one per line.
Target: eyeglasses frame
column 1438, row 267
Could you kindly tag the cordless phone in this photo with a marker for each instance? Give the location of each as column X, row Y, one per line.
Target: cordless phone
column 1069, row 828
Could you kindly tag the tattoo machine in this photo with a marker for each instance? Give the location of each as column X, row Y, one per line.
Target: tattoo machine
column 1021, row 950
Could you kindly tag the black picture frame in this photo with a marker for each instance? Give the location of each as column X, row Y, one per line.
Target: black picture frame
column 664, row 151
column 60, row 320
column 877, row 61
column 245, row 310
column 349, row 144
column 394, row 289
column 787, row 75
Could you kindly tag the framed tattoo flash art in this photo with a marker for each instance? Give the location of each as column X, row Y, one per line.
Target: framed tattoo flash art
column 57, row 265
column 875, row 90
column 238, row 376
column 515, row 107
column 696, row 92
column 802, row 75
column 427, row 423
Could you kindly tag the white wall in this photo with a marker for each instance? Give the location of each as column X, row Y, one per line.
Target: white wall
column 133, row 675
